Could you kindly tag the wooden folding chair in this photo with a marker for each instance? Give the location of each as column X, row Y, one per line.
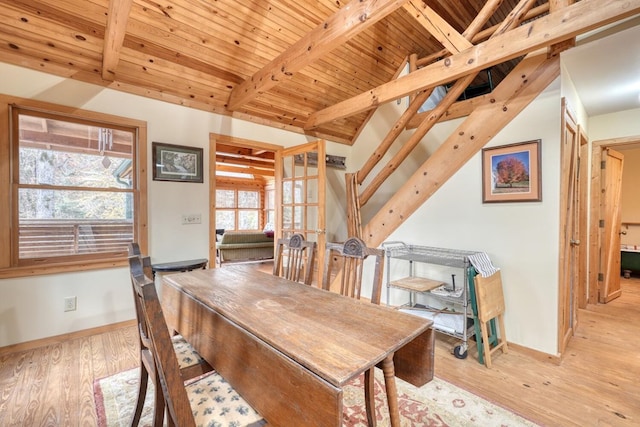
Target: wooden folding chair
column 490, row 301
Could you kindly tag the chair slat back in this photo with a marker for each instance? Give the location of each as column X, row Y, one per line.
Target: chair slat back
column 294, row 259
column 168, row 372
column 348, row 261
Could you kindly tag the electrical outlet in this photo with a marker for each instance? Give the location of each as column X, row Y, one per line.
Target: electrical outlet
column 70, row 303
column 191, row 219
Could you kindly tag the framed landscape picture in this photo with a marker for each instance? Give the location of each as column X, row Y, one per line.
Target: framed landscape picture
column 176, row 163
column 511, row 173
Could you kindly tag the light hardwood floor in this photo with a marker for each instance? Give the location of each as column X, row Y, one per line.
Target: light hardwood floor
column 597, row 383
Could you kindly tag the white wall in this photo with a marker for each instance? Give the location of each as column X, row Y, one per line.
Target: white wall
column 520, row 238
column 32, row 307
column 615, row 125
column 574, row 104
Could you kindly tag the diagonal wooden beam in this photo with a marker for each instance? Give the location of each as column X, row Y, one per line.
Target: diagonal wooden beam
column 356, row 16
column 530, row 77
column 452, row 40
column 431, row 117
column 114, row 36
column 548, row 30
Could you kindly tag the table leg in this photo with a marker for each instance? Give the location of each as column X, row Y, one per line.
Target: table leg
column 392, row 393
column 369, row 397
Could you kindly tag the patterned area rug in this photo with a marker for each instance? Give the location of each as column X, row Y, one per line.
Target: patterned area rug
column 436, row 404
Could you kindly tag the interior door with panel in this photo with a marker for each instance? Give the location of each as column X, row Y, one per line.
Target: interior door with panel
column 569, row 230
column 300, row 195
column 611, row 211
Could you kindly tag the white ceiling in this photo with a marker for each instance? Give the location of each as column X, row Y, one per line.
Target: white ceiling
column 605, row 68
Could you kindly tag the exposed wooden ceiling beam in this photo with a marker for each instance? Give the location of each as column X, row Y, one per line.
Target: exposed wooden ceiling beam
column 452, row 40
column 247, row 170
column 245, row 162
column 484, row 34
column 478, row 22
column 244, row 152
column 114, row 36
column 511, row 21
column 350, row 20
column 548, row 30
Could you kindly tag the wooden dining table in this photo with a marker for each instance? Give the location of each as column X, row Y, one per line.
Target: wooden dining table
column 289, row 349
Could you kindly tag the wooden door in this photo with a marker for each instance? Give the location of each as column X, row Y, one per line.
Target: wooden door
column 609, row 285
column 300, row 195
column 583, row 218
column 569, row 231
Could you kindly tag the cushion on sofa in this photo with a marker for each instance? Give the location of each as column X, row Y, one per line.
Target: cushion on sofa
column 240, row 237
column 245, row 246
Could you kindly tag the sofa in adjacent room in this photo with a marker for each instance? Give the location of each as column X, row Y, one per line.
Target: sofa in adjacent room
column 236, row 246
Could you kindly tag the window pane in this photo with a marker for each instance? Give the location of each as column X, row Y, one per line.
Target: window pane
column 226, row 219
column 61, row 153
column 62, row 204
column 54, row 237
column 298, row 194
column 248, row 220
column 271, row 220
column 248, row 199
column 312, row 191
column 312, row 218
column 50, row 167
column 287, row 217
column 63, row 223
column 270, row 196
column 287, row 196
column 225, row 199
column 298, row 217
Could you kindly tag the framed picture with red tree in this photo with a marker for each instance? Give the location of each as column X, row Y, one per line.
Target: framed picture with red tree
column 511, row 173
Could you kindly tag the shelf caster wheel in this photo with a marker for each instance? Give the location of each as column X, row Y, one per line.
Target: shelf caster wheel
column 460, row 351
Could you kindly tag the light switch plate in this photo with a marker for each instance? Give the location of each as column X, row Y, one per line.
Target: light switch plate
column 191, row 219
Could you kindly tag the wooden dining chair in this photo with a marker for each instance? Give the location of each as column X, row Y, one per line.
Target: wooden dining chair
column 191, row 364
column 294, row 259
column 345, row 262
column 205, row 400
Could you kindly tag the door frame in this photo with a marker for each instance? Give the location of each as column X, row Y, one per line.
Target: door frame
column 595, row 245
column 228, row 140
column 278, row 151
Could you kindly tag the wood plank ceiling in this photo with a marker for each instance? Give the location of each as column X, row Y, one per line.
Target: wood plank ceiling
column 196, row 52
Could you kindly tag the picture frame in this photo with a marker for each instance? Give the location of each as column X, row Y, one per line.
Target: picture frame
column 177, row 163
column 512, row 173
